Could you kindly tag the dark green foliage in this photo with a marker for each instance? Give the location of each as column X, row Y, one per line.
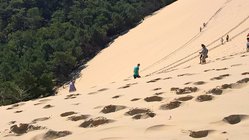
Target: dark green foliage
column 43, row 41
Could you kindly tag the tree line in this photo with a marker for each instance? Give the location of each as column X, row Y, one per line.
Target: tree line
column 43, row 41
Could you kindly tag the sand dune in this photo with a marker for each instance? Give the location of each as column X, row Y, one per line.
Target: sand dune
column 176, row 98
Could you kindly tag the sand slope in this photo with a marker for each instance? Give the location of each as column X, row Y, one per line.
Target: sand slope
column 179, row 99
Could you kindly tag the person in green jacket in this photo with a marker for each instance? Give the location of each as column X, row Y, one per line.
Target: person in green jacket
column 136, row 72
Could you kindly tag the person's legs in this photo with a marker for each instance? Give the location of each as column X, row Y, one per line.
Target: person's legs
column 136, row 76
column 200, row 59
column 204, row 59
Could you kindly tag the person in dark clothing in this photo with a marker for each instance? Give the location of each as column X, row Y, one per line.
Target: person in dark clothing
column 136, row 72
column 203, row 54
column 227, row 38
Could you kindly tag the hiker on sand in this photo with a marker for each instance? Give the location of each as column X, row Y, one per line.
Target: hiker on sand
column 72, row 86
column 204, row 54
column 247, row 45
column 136, row 72
column 227, row 38
column 204, row 25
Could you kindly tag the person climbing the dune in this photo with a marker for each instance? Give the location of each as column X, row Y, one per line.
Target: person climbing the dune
column 136, row 72
column 203, row 54
column 72, row 86
column 247, row 45
column 228, row 38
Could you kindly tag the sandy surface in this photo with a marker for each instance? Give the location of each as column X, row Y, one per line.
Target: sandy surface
column 176, row 98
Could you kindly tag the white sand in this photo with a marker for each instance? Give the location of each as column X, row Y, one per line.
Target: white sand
column 158, row 42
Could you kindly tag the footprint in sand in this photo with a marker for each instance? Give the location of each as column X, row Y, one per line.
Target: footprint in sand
column 199, row 83
column 234, row 119
column 226, row 86
column 37, row 104
column 100, row 90
column 72, row 96
column 14, row 106
column 135, row 111
column 208, row 70
column 103, row 89
column 135, row 99
column 23, row 128
column 12, row 122
column 159, row 93
column 186, row 90
column 153, row 99
column 203, row 98
column 199, row 134
column 220, row 77
column 140, row 113
column 185, row 98
column 243, row 55
column 239, row 84
column 221, row 69
column 42, row 101
column 156, row 89
column 112, row 108
column 167, row 78
column 154, row 80
column 124, row 87
column 243, row 81
column 19, row 111
column 215, row 91
column 78, row 118
column 48, row 106
column 67, row 114
column 127, row 85
column 117, row 96
column 95, row 122
column 171, row 105
column 51, row 134
column 185, row 74
column 40, row 120
column 187, row 83
column 245, row 73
